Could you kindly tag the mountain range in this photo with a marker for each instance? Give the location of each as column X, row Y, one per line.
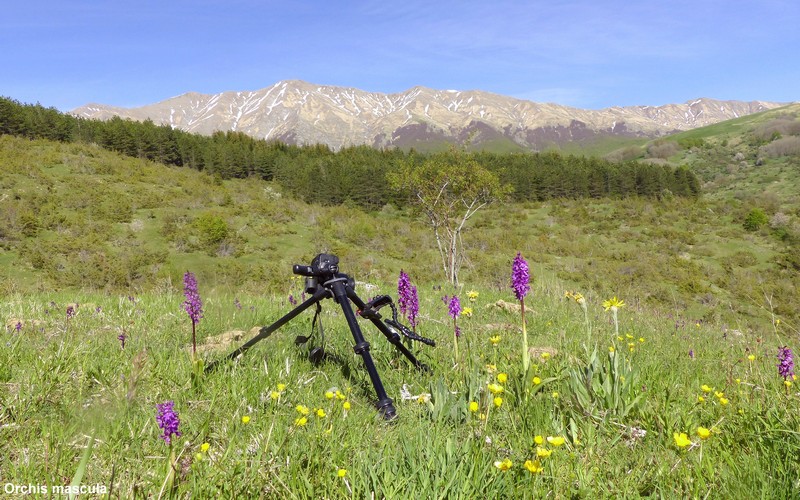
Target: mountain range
column 298, row 112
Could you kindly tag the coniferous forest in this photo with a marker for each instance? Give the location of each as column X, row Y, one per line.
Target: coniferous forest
column 315, row 173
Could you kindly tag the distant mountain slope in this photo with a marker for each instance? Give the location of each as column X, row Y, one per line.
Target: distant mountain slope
column 298, row 112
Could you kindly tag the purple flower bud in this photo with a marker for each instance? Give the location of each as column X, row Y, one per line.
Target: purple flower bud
column 785, row 362
column 455, row 307
column 168, row 421
column 407, row 298
column 520, row 277
column 70, row 312
column 18, row 326
column 121, row 337
column 292, row 300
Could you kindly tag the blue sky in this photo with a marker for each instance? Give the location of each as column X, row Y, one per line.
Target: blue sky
column 583, row 53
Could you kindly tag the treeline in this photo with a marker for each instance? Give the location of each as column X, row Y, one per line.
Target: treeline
column 356, row 174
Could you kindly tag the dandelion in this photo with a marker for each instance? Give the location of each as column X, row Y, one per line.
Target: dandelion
column 472, row 295
column 168, row 421
column 520, row 278
column 245, row 419
column 614, row 305
column 556, row 441
column 534, row 466
column 703, row 433
column 193, row 305
column 504, row 465
column 681, row 440
column 785, row 362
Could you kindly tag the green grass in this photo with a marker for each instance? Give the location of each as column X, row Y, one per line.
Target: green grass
column 64, row 380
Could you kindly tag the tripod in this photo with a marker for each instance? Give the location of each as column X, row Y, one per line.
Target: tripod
column 324, row 280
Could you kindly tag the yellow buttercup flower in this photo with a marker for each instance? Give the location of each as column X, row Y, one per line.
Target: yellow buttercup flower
column 534, row 466
column 302, row 410
column 681, row 440
column 555, row 395
column 300, row 422
column 498, row 401
column 705, row 388
column 538, row 440
column 723, row 401
column 495, row 340
column 700, row 399
column 751, row 357
column 556, row 441
column 281, row 387
column 719, row 394
column 495, row 389
column 467, row 311
column 537, row 381
column 503, row 465
column 346, row 405
column 320, row 413
column 703, row 433
column 546, row 355
column 204, row 447
column 329, row 395
column 341, row 472
column 502, row 378
column 473, row 406
column 543, row 452
column 275, row 395
column 245, row 419
column 472, row 295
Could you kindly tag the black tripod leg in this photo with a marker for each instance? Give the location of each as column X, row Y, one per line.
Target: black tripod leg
column 392, row 336
column 266, row 331
column 385, row 404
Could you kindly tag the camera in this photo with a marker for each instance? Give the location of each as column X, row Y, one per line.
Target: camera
column 323, row 265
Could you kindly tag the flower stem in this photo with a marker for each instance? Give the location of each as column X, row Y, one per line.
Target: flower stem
column 526, row 359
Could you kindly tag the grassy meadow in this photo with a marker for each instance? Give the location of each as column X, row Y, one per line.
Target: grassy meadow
column 680, row 397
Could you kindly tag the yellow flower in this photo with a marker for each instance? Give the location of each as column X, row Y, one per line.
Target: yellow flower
column 346, row 405
column 300, row 422
column 329, row 394
column 339, row 395
column 495, row 389
column 751, row 357
column 613, row 304
column 502, row 378
column 498, row 401
column 738, row 381
column 611, row 348
column 204, row 447
column 467, row 311
column 555, row 395
column 341, row 472
column 504, row 465
column 275, row 395
column 534, row 467
column 543, row 452
column 302, row 410
column 198, row 457
column 537, row 381
column 556, row 441
column 723, row 401
column 472, row 295
column 281, row 387
column 538, row 440
column 719, row 394
column 641, row 339
column 546, row 355
column 490, row 368
column 320, row 413
column 787, row 383
column 473, row 406
column 629, row 336
column 700, row 399
column 681, row 440
column 703, row 433
column 495, row 340
column 619, row 337
column 245, row 419
column 705, row 388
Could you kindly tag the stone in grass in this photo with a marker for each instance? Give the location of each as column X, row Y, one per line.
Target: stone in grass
column 224, row 340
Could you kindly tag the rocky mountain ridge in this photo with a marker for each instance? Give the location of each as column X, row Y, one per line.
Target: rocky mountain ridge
column 298, row 112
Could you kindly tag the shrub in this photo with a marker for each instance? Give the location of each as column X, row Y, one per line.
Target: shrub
column 755, row 219
column 787, row 146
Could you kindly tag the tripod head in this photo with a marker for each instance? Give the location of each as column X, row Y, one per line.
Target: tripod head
column 324, row 267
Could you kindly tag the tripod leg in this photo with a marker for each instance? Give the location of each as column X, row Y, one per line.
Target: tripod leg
column 266, row 331
column 391, row 336
column 385, row 404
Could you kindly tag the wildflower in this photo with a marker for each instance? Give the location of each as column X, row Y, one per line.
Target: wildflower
column 275, row 395
column 498, row 401
column 495, row 340
column 502, row 378
column 534, row 466
column 121, row 337
column 723, row 401
column 292, row 300
column 407, row 298
column 543, row 452
column 504, row 465
column 611, row 349
column 168, row 421
column 301, row 421
column 641, row 340
column 454, row 308
column 320, row 413
column 681, row 440
column 787, row 383
column 613, row 304
column 193, row 305
column 719, row 394
column 329, row 395
column 703, row 433
column 556, row 441
column 346, row 405
column 537, row 381
column 467, row 311
column 520, row 284
column 472, row 295
column 204, row 447
column 18, row 327
column 70, row 312
column 302, row 410
column 473, row 406
column 705, row 388
column 691, row 354
column 785, row 362
column 545, row 355
column 341, row 472
column 495, row 388
column 700, row 399
column 538, row 440
column 555, row 395
column 245, row 419
column 751, row 357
